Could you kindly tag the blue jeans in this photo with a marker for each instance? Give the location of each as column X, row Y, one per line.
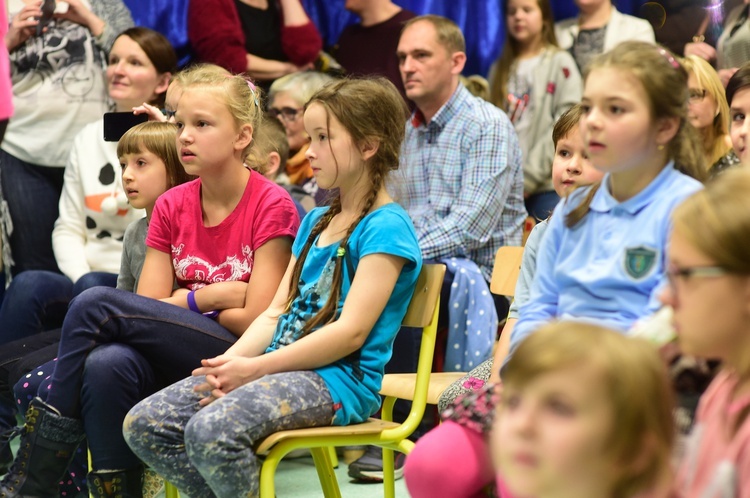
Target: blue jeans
column 37, row 301
column 115, row 378
column 164, row 344
column 33, row 194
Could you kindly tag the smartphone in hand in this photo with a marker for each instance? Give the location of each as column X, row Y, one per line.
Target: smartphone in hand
column 117, row 123
column 48, row 10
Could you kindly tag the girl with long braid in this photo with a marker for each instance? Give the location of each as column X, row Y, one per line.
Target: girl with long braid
column 315, row 357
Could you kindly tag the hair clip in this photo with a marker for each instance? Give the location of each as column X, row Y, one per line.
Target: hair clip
column 252, row 88
column 669, row 58
column 340, row 252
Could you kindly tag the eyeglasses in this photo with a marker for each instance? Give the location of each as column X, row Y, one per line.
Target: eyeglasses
column 288, row 114
column 674, row 274
column 696, row 94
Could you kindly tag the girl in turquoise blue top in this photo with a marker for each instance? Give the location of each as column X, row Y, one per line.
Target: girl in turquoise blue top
column 315, row 357
column 602, row 258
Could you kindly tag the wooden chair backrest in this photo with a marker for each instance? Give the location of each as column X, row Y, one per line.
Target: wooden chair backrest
column 422, row 305
column 506, row 270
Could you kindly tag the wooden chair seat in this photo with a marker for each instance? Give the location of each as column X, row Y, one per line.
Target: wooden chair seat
column 371, row 426
column 504, row 276
column 402, row 385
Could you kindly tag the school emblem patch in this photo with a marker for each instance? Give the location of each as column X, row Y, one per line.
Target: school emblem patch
column 639, row 261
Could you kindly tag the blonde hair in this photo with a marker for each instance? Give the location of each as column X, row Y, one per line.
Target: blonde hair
column 449, row 35
column 664, row 82
column 476, row 85
column 242, row 98
column 636, row 380
column 177, row 79
column 161, row 140
column 716, row 220
column 714, row 137
column 499, row 83
column 270, row 137
column 372, row 111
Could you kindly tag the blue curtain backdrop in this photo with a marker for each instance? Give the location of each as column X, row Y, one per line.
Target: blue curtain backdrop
column 482, row 22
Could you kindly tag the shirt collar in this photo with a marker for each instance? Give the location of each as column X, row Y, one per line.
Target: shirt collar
column 445, row 113
column 604, row 202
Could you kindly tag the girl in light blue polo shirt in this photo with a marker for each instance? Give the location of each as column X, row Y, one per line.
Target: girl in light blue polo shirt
column 602, row 258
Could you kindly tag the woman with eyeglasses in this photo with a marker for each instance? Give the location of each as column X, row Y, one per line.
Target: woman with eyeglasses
column 709, row 291
column 287, row 97
column 708, row 112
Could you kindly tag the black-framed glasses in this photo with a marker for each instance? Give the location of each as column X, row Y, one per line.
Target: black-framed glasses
column 287, row 113
column 696, row 94
column 675, row 273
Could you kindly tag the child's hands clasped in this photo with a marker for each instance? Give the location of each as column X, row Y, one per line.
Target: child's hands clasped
column 226, row 373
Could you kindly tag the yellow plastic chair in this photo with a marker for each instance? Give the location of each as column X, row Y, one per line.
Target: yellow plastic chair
column 389, row 435
column 170, row 491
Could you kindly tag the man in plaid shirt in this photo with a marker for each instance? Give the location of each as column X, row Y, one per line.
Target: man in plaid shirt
column 461, row 162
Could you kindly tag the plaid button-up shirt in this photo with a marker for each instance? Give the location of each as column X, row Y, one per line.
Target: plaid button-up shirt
column 461, row 180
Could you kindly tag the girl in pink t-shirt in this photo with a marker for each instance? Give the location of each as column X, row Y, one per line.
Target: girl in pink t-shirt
column 709, row 290
column 225, row 238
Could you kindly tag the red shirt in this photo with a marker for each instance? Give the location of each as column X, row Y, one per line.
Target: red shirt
column 203, row 255
column 216, row 35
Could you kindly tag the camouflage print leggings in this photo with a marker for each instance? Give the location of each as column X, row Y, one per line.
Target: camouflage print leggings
column 208, row 451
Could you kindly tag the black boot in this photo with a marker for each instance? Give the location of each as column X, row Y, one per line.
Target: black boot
column 6, row 455
column 48, row 444
column 124, row 483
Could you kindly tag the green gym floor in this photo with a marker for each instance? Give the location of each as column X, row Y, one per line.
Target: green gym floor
column 296, row 478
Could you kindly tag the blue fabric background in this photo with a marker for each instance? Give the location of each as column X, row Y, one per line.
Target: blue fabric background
column 481, row 21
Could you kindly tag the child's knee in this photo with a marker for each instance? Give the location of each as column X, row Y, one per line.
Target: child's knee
column 204, row 435
column 138, row 424
column 91, row 298
column 114, row 364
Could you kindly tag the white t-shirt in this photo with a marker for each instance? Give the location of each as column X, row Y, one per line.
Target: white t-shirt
column 520, row 102
column 58, row 87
